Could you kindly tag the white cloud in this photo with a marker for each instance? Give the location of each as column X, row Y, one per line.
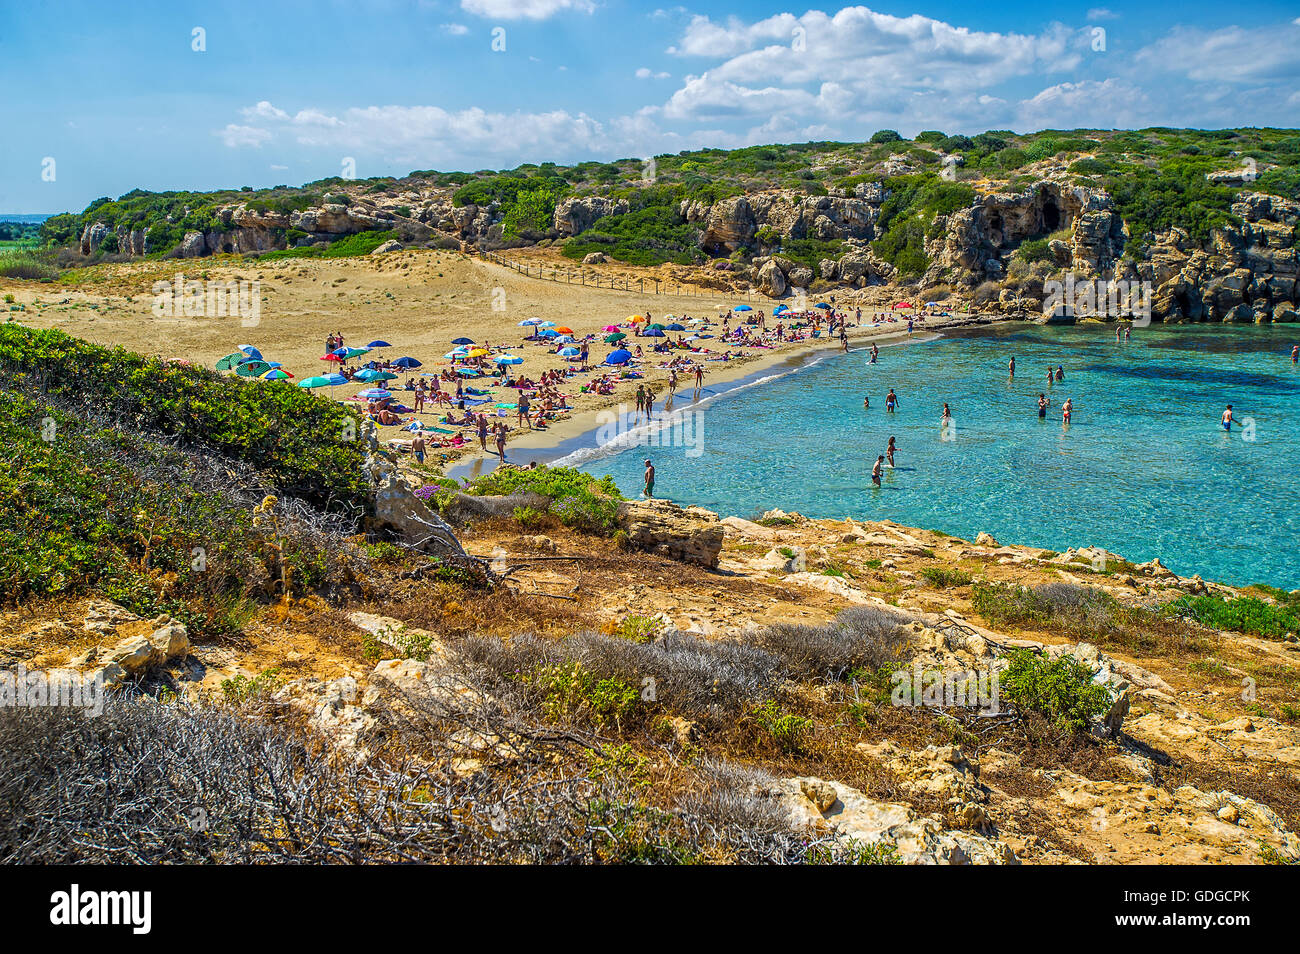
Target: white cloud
column 454, row 29
column 646, row 73
column 1233, row 54
column 239, row 137
column 524, row 9
column 263, row 110
column 1102, row 13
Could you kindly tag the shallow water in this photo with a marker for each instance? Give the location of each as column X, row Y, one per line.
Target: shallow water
column 1144, row 469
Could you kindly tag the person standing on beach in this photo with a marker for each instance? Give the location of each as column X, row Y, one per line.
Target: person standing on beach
column 649, row 480
column 876, row 470
column 699, row 379
column 417, row 448
column 523, row 410
column 501, row 442
column 482, row 431
column 891, row 401
column 640, row 401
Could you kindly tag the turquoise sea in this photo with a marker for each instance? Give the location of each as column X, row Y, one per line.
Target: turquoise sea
column 1144, row 470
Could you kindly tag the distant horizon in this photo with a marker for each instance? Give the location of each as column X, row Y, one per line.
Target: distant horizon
column 477, row 84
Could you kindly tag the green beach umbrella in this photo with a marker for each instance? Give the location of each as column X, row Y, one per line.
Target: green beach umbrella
column 231, row 360
column 615, row 338
column 316, row 382
column 252, row 369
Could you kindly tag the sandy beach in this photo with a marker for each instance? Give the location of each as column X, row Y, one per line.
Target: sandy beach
column 417, row 300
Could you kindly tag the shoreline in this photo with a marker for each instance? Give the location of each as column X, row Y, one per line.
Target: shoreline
column 563, row 438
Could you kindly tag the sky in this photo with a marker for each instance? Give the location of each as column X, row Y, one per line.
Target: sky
column 100, row 98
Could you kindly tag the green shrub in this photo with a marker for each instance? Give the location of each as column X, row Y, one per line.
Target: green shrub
column 571, row 691
column 1246, row 614
column 945, row 579
column 786, row 729
column 577, row 499
column 1060, row 690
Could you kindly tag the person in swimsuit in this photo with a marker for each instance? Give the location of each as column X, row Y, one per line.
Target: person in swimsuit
column 1042, row 405
column 1066, row 409
column 866, row 403
column 417, row 448
column 1295, row 354
column 501, row 443
column 947, row 414
column 482, row 431
column 523, row 409
column 649, row 479
column 891, row 401
column 1050, row 377
column 1060, row 373
column 1228, row 420
column 876, row 470
column 889, row 452
column 699, row 379
column 875, row 353
column 1011, row 367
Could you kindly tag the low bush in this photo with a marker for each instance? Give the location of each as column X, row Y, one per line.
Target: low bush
column 1060, row 690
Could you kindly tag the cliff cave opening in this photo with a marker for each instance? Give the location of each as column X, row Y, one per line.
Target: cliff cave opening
column 1051, row 216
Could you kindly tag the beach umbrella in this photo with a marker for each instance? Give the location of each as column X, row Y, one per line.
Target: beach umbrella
column 742, row 308
column 530, row 321
column 570, row 352
column 610, row 328
column 615, row 338
column 822, row 305
column 657, row 326
column 674, row 327
column 654, row 333
column 478, row 353
column 546, row 324
column 564, row 331
column 470, row 372
column 316, row 382
column 563, row 339
column 456, row 353
column 336, row 379
column 621, row 356
column 635, row 319
column 508, row 359
column 231, row 360
column 249, row 350
column 331, row 357
column 379, row 344
column 275, row 374
column 548, row 333
column 370, row 374
column 374, row 394
column 462, row 341
column 407, row 363
column 252, row 369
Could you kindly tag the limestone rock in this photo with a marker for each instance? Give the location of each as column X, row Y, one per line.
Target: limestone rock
column 688, row 534
column 771, row 281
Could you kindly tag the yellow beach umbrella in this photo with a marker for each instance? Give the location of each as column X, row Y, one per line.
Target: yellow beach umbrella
column 478, row 353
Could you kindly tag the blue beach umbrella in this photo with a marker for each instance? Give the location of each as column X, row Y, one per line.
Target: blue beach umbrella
column 653, row 333
column 370, row 374
column 674, row 327
column 407, row 363
column 508, row 359
column 379, row 344
column 621, row 356
column 742, row 308
column 569, row 352
column 462, row 341
column 548, row 333
column 374, row 394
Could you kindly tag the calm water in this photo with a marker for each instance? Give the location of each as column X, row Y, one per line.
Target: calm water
column 1144, row 469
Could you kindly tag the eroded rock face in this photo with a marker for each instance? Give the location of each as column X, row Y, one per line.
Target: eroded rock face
column 575, row 215
column 771, row 280
column 688, row 534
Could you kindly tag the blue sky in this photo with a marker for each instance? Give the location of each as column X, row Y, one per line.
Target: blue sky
column 285, row 91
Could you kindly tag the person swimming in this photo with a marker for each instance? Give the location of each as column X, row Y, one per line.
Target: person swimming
column 1228, row 420
column 1066, row 410
column 875, row 353
column 1295, row 354
column 1060, row 373
column 947, row 414
column 1011, row 366
column 866, row 403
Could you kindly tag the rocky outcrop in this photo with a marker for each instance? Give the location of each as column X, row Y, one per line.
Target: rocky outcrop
column 771, row 280
column 734, row 223
column 575, row 215
column 688, row 534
